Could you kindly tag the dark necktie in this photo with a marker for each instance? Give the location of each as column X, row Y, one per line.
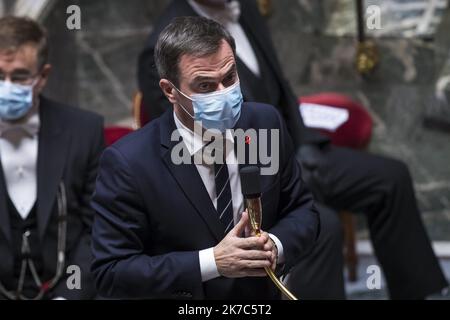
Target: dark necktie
column 223, row 196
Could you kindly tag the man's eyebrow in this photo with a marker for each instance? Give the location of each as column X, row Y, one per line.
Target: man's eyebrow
column 231, row 69
column 203, row 78
column 206, row 78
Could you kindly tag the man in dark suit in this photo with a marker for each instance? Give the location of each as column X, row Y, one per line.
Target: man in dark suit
column 49, row 156
column 341, row 178
column 170, row 229
column 327, row 253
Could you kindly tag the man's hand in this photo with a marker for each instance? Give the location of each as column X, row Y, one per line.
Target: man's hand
column 244, row 257
column 274, row 250
column 268, row 246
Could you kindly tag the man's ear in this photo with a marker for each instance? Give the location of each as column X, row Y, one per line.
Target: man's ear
column 45, row 73
column 168, row 90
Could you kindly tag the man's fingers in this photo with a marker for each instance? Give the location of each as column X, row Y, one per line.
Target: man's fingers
column 268, row 246
column 251, row 243
column 274, row 256
column 248, row 231
column 256, row 264
column 239, row 228
column 256, row 255
column 274, row 259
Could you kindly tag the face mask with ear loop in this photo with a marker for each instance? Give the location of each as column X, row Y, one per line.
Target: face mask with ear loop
column 218, row 110
column 15, row 100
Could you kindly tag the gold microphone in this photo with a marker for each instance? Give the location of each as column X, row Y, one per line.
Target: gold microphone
column 251, row 189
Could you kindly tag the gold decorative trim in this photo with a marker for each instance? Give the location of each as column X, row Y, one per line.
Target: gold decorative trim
column 136, row 110
column 265, row 7
column 367, row 57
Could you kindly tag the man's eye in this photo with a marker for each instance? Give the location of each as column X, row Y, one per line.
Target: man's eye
column 229, row 79
column 20, row 78
column 204, row 86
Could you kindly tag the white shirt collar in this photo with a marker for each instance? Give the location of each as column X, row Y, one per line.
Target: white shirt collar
column 194, row 141
column 230, row 14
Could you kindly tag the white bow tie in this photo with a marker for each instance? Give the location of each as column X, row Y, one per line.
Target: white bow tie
column 31, row 126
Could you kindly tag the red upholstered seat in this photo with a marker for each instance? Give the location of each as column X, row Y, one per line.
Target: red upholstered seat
column 356, row 131
column 114, row 133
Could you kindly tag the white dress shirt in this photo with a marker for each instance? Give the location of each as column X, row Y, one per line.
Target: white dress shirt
column 229, row 17
column 18, row 155
column 194, row 143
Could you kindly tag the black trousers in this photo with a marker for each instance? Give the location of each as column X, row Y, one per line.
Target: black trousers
column 382, row 189
column 319, row 274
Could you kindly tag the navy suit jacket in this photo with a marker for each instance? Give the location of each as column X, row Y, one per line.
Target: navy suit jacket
column 153, row 216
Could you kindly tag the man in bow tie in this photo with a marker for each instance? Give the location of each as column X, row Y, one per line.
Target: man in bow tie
column 48, row 158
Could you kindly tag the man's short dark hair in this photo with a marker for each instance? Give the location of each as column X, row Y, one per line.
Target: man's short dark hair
column 18, row 31
column 195, row 36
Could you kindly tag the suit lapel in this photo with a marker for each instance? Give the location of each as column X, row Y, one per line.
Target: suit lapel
column 53, row 146
column 245, row 123
column 187, row 176
column 4, row 214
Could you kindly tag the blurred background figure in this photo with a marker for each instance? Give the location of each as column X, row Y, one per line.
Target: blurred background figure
column 49, row 155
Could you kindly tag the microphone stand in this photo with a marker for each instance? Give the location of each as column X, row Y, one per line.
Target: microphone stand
column 254, row 210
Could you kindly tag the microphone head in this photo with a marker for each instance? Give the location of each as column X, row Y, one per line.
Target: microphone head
column 250, row 182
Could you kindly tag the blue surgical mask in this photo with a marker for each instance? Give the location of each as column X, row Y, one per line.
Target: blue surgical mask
column 217, row 110
column 15, row 100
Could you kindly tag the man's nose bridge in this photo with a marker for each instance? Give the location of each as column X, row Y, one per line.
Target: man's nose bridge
column 221, row 87
column 7, row 78
column 7, row 81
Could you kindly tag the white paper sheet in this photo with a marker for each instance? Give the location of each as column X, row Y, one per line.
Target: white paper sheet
column 322, row 116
